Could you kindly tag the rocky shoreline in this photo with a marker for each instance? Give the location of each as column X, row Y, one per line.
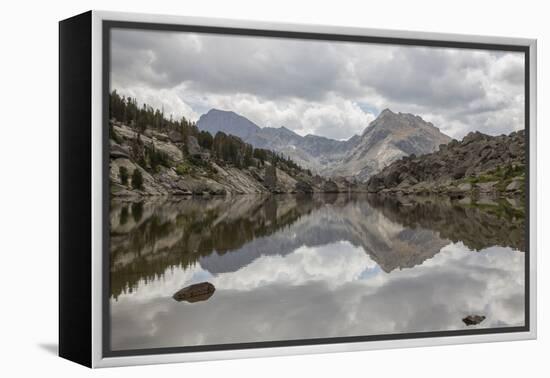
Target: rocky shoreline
column 187, row 169
column 181, row 160
column 478, row 165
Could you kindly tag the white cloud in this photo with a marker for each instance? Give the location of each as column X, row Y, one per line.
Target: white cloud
column 338, row 118
column 316, row 86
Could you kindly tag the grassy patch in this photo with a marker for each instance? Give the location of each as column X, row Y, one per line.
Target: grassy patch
column 503, row 175
column 482, row 178
column 184, row 168
column 192, row 166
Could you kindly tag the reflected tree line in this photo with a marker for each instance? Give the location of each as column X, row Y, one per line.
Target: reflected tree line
column 476, row 224
column 149, row 237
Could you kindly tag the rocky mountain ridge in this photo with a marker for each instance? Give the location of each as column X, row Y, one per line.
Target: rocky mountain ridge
column 310, row 151
column 478, row 164
column 389, row 137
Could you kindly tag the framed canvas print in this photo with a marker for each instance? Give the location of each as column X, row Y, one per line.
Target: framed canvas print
column 236, row 189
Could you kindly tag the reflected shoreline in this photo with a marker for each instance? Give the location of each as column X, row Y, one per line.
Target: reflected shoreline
column 148, row 237
column 295, row 267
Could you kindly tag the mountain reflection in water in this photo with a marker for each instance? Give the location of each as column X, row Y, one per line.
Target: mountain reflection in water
column 297, row 267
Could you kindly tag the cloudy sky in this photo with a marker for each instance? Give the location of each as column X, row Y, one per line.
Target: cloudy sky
column 332, row 89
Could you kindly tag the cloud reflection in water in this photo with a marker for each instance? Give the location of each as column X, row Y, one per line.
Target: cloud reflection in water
column 332, row 289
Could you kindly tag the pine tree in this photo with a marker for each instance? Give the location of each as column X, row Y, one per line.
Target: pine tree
column 123, row 173
column 137, row 179
column 205, row 140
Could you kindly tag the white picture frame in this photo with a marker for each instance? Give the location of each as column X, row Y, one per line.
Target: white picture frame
column 94, row 335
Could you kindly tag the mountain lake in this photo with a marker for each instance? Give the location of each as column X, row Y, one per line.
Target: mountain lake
column 290, row 267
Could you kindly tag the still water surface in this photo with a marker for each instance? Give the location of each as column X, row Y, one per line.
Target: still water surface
column 292, row 267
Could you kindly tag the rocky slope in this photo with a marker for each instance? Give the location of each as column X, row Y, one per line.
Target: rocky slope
column 389, row 137
column 197, row 171
column 478, row 164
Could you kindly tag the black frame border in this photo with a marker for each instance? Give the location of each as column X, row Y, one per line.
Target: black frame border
column 108, row 25
column 75, row 189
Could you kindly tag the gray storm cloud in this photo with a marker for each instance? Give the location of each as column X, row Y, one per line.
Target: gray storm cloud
column 316, row 86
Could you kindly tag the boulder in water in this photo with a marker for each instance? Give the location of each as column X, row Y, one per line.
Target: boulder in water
column 195, row 293
column 473, row 319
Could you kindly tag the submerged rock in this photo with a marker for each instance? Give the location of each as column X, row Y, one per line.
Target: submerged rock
column 195, row 293
column 473, row 319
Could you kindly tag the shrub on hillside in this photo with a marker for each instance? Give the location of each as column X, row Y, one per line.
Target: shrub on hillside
column 137, row 179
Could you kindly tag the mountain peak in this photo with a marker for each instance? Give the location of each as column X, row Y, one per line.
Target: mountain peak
column 287, row 130
column 386, row 111
column 390, row 136
column 227, row 121
column 215, row 111
column 387, row 138
column 388, row 118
